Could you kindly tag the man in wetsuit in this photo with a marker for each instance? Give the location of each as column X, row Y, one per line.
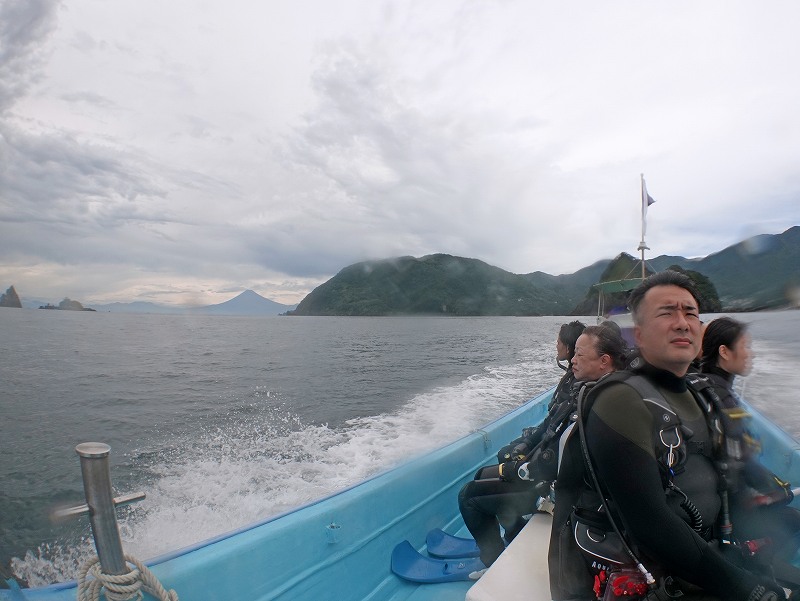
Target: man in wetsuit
column 635, row 469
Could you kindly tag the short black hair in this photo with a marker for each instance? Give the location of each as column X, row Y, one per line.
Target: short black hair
column 569, row 333
column 662, row 278
column 723, row 330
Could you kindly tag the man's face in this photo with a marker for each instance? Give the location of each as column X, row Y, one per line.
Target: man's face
column 668, row 329
column 588, row 365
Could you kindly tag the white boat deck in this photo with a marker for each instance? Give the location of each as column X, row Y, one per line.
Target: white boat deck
column 520, row 573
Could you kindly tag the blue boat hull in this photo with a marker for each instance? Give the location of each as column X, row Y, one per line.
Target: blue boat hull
column 299, row 556
column 292, row 556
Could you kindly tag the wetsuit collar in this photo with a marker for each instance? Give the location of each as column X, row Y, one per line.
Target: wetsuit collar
column 718, row 371
column 661, row 377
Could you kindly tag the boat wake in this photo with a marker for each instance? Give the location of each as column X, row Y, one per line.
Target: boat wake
column 256, row 462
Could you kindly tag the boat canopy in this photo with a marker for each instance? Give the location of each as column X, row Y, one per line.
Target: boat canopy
column 617, row 285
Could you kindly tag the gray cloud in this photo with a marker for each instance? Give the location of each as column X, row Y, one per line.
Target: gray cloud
column 55, row 178
column 89, row 98
column 173, row 152
column 23, row 25
column 381, row 165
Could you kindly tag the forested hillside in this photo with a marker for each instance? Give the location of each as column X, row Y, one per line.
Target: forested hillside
column 761, row 272
column 434, row 285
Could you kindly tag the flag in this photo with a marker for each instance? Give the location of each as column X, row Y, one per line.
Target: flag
column 647, row 200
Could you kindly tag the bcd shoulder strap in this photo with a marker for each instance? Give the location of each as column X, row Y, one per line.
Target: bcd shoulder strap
column 671, row 453
column 728, row 433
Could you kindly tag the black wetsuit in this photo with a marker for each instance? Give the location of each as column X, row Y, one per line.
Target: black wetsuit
column 776, row 522
column 563, row 395
column 488, row 502
column 723, row 385
column 620, row 435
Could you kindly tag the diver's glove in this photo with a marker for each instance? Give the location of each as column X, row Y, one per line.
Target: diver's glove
column 521, row 450
column 509, row 453
column 780, row 495
column 762, row 593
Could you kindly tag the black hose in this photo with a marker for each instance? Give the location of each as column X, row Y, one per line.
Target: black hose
column 596, row 484
column 696, row 520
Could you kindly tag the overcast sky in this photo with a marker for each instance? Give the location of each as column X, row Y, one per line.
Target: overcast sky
column 181, row 152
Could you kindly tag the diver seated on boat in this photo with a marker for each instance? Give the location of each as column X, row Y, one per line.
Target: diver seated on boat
column 727, row 353
column 641, row 492
column 501, row 495
column 565, row 350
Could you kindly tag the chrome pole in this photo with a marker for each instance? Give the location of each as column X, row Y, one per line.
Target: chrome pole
column 97, row 487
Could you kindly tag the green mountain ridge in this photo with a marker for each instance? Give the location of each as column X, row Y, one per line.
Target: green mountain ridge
column 437, row 284
column 759, row 273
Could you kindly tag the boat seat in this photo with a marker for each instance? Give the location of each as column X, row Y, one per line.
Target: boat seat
column 520, row 573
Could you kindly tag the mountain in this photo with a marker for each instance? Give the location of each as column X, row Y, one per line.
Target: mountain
column 570, row 288
column 761, row 272
column 625, row 267
column 431, row 285
column 246, row 303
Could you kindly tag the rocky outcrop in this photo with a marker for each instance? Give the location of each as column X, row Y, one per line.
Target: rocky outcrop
column 10, row 299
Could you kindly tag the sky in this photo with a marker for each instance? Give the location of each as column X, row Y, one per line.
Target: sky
column 182, row 152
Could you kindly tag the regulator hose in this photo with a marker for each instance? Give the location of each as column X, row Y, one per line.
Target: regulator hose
column 695, row 519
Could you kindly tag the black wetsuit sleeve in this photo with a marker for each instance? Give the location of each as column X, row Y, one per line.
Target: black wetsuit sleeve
column 759, row 477
column 630, row 476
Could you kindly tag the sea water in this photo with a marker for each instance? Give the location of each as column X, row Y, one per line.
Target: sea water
column 223, row 421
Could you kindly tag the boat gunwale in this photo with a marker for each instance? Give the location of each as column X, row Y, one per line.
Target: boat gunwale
column 177, row 553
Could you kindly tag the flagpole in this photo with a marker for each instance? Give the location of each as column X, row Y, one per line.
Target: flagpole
column 642, row 245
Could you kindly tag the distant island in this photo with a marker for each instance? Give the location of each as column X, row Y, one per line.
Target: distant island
column 247, row 303
column 67, row 305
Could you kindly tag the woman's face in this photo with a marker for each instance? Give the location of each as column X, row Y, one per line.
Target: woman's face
column 738, row 359
column 588, row 364
column 562, row 352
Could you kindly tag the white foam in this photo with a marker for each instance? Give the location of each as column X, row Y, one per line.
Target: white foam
column 771, row 386
column 245, row 470
column 53, row 562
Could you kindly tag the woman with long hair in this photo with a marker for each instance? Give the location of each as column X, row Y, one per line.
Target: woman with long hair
column 727, row 353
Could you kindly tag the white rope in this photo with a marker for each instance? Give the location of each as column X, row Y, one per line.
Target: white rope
column 123, row 587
